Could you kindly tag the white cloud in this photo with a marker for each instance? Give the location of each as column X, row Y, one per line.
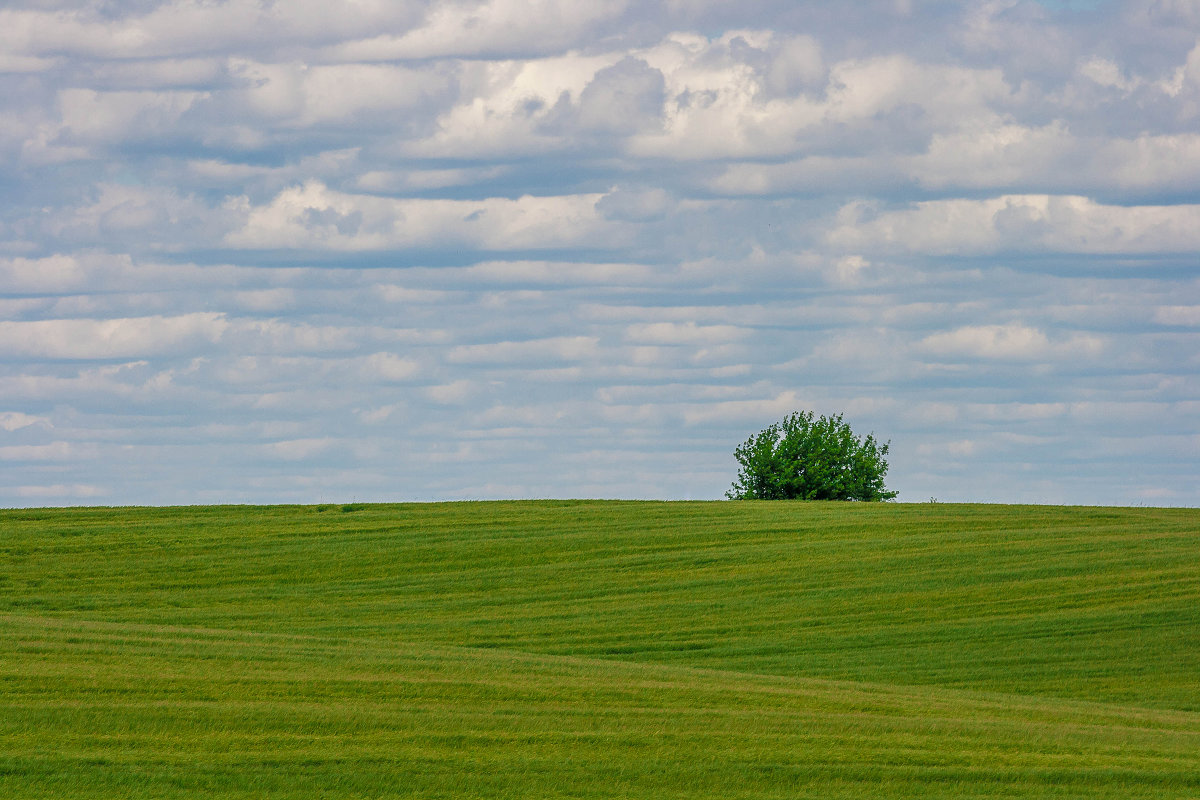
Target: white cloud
column 193, row 26
column 52, row 273
column 558, row 273
column 302, row 95
column 560, row 348
column 110, row 338
column 960, row 448
column 121, row 116
column 451, row 393
column 993, row 156
column 160, row 73
column 151, row 216
column 313, row 216
column 1107, row 73
column 745, row 93
column 1011, row 341
column 41, row 492
column 277, row 299
column 133, row 337
column 623, row 99
column 719, row 107
column 1178, row 315
column 1185, row 80
column 1014, row 155
column 390, row 367
column 504, row 106
column 15, row 62
column 54, row 451
column 15, row 420
column 401, row 181
column 730, row 111
column 490, row 27
column 1019, row 223
column 374, row 416
column 298, row 449
column 744, row 411
column 688, row 333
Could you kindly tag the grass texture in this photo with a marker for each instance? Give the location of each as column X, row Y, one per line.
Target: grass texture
column 600, row 649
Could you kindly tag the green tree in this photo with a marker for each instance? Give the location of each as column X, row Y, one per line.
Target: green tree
column 804, row 458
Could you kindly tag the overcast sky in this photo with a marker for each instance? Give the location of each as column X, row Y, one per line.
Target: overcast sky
column 307, row 251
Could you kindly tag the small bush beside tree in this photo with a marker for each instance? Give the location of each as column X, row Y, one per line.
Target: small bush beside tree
column 807, row 458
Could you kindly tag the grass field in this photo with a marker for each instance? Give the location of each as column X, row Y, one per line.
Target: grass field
column 600, row 649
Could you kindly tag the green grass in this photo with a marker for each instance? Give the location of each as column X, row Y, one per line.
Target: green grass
column 600, row 649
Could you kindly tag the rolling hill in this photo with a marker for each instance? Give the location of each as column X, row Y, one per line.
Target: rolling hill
column 600, row 649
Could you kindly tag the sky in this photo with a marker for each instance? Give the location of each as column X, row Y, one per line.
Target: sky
column 269, row 252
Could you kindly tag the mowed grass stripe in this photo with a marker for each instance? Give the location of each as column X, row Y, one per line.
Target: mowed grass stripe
column 117, row 709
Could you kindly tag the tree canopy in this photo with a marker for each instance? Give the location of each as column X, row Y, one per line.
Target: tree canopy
column 807, row 458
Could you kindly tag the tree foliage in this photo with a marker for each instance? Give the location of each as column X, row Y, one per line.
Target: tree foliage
column 810, row 459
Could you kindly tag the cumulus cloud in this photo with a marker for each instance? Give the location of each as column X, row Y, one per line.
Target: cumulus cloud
column 624, row 98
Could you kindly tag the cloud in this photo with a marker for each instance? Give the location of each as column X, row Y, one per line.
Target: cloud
column 15, row 420
column 416, row 180
column 313, row 216
column 451, row 393
column 561, row 348
column 391, row 367
column 138, row 337
column 1021, row 223
column 1188, row 316
column 89, row 116
column 511, row 108
column 744, row 411
column 624, row 98
column 744, row 94
column 192, row 27
column 55, row 490
column 995, row 157
column 488, row 28
column 688, row 333
column 55, row 451
column 1012, row 341
column 296, row 95
column 555, row 273
column 298, row 449
column 157, row 218
column 109, row 338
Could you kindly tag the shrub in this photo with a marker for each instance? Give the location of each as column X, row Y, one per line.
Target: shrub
column 804, row 458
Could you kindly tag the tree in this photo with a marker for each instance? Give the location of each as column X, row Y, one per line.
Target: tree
column 810, row 459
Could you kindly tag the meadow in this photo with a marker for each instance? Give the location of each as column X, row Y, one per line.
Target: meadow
column 574, row 649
